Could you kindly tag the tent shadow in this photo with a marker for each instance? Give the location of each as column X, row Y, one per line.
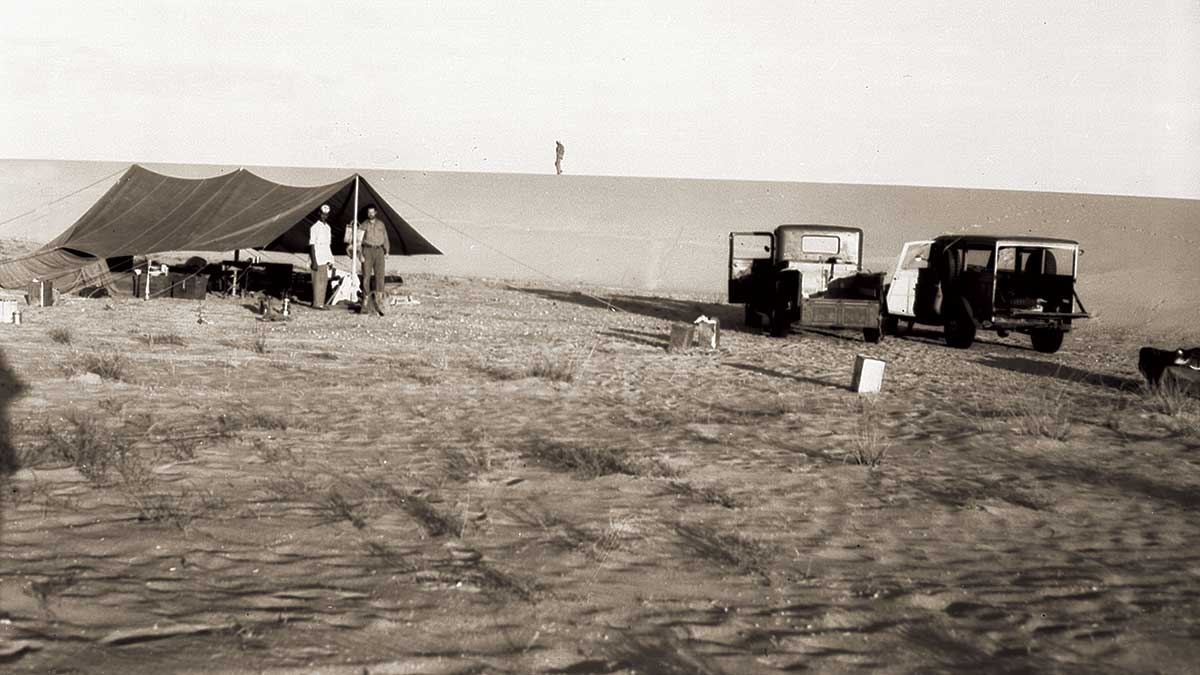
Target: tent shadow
column 1058, row 371
column 639, row 337
column 668, row 309
column 932, row 336
column 787, row 376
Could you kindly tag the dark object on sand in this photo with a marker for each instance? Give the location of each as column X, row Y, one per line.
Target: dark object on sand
column 1153, row 363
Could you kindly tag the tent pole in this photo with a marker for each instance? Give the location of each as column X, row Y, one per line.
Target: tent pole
column 354, row 235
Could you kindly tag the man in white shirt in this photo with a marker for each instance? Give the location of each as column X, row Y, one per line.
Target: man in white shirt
column 320, row 256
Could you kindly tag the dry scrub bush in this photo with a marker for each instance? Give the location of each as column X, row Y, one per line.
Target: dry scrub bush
column 152, row 339
column 728, row 549
column 1045, row 412
column 79, row 440
column 585, row 462
column 704, row 495
column 553, row 367
column 1179, row 404
column 335, row 507
column 466, row 464
column 871, row 441
column 111, row 365
column 61, row 335
column 435, row 522
column 662, row 654
column 498, row 582
column 1172, row 399
column 546, row 366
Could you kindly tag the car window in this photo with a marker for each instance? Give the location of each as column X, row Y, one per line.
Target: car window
column 1006, row 259
column 915, row 258
column 1057, row 261
column 977, row 259
column 821, row 244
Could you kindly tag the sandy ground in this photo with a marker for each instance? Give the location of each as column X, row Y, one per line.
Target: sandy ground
column 518, row 479
column 661, row 235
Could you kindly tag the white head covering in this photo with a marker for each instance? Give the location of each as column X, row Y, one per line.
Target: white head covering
column 324, row 208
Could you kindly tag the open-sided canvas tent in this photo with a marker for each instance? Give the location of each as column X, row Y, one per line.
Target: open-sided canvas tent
column 148, row 212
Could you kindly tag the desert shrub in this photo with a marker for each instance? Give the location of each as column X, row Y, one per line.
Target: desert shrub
column 1046, row 412
column 84, row 443
column 435, row 522
column 546, row 366
column 388, row 558
column 871, row 441
column 110, row 365
column 498, row 582
column 152, row 339
column 60, row 335
column 1172, row 399
column 661, row 653
column 584, row 461
column 728, row 549
column 259, row 419
column 553, row 367
column 705, row 495
column 465, row 464
column 335, row 507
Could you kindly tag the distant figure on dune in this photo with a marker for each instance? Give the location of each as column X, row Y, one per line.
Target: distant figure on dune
column 559, row 151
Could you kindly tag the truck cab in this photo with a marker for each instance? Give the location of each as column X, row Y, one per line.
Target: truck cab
column 966, row 283
column 806, row 274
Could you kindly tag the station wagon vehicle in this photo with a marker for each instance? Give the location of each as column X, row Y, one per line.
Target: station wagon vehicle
column 809, row 275
column 967, row 283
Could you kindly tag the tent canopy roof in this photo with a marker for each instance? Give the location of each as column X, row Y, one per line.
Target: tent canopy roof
column 148, row 212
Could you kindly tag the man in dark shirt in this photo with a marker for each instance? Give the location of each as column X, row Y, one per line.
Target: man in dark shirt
column 375, row 247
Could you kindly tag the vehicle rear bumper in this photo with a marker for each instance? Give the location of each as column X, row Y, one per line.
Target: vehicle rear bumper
column 1027, row 320
column 826, row 313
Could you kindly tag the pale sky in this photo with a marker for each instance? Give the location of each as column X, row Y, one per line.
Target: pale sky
column 1071, row 95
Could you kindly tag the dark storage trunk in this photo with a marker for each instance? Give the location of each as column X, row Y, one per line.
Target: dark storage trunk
column 188, row 286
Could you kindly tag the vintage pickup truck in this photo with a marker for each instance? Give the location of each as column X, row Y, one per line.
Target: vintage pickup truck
column 965, row 283
column 810, row 275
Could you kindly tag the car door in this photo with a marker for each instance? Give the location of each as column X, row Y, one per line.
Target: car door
column 747, row 251
column 902, row 291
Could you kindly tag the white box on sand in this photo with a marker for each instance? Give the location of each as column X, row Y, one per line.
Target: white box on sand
column 868, row 375
column 7, row 309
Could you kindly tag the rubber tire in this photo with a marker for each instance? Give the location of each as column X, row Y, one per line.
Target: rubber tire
column 891, row 325
column 753, row 318
column 959, row 329
column 1047, row 340
column 872, row 335
column 779, row 327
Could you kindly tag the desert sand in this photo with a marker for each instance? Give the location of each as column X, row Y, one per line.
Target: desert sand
column 517, row 478
column 670, row 235
column 513, row 475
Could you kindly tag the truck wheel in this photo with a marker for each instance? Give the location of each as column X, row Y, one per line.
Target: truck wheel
column 1047, row 340
column 872, row 335
column 753, row 318
column 891, row 325
column 959, row 329
column 780, row 326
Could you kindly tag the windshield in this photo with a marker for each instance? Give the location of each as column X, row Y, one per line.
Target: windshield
column 808, row 246
column 1036, row 260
